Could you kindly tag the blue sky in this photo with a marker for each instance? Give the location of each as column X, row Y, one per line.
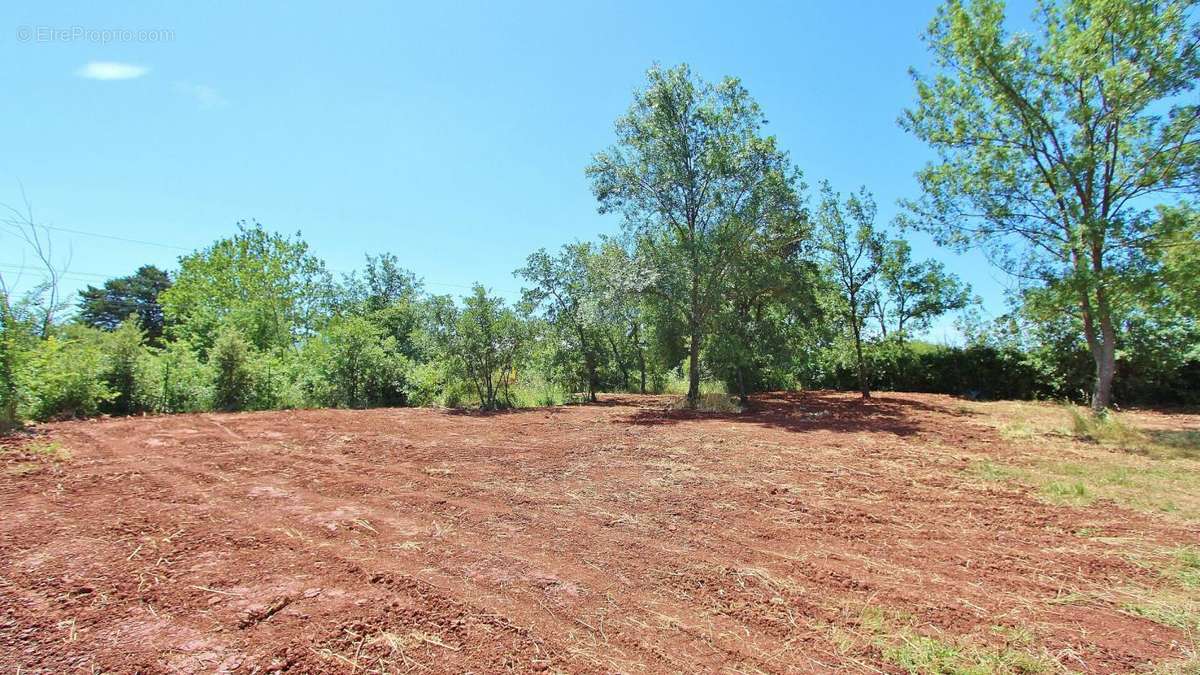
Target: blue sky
column 454, row 135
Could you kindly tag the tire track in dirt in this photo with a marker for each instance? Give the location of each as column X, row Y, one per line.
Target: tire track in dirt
column 596, row 538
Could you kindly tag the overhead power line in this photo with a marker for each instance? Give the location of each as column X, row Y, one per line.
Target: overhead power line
column 115, row 238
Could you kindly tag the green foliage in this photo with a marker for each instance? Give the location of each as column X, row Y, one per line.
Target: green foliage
column 1050, row 152
column 357, row 365
column 1050, row 147
column 568, row 286
column 16, row 343
column 913, row 294
column 852, row 251
column 173, row 380
column 109, row 306
column 65, row 376
column 123, row 349
column 480, row 346
column 233, row 377
column 266, row 285
column 693, row 177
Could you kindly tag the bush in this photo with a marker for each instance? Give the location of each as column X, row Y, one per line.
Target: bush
column 123, row 349
column 66, row 376
column 233, row 377
column 16, row 345
column 354, row 364
column 172, row 380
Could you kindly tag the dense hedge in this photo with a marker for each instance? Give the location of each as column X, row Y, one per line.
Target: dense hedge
column 1008, row 373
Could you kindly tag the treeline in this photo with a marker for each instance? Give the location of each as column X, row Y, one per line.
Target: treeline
column 1070, row 159
column 256, row 321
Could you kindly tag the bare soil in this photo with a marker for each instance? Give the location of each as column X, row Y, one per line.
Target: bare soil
column 609, row 537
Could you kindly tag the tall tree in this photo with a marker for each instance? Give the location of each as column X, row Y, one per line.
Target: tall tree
column 852, row 249
column 1051, row 147
column 566, row 286
column 689, row 161
column 912, row 294
column 107, row 307
column 267, row 285
column 483, row 343
column 623, row 282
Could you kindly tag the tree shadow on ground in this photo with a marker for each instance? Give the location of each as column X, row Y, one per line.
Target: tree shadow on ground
column 818, row 410
column 1180, row 443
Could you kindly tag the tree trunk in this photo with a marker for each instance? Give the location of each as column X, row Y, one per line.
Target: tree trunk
column 1103, row 345
column 641, row 356
column 693, row 395
column 1106, row 362
column 592, row 379
column 863, row 385
column 619, row 359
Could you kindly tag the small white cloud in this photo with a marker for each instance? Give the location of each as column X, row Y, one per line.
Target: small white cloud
column 206, row 96
column 111, row 70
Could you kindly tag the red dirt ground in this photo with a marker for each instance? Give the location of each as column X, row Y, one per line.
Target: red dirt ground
column 601, row 538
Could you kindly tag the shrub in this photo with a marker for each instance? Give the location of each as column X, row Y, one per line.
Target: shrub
column 233, row 378
column 66, row 376
column 124, row 348
column 354, row 364
column 173, row 380
column 16, row 344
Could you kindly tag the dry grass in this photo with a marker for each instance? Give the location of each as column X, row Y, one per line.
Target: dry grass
column 714, row 402
column 1139, row 460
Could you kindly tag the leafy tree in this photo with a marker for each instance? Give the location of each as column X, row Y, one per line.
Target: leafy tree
column 173, row 380
column 623, row 282
column 852, row 251
column 383, row 283
column 124, row 348
column 912, row 294
column 689, row 164
column 233, row 378
column 1176, row 257
column 482, row 343
column 768, row 290
column 1050, row 146
column 17, row 341
column 267, row 285
column 358, row 365
column 65, row 376
column 109, row 306
column 566, row 285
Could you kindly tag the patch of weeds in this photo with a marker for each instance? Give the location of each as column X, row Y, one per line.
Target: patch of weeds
column 23, row 468
column 1110, row 430
column 1068, row 492
column 1133, row 481
column 921, row 654
column 678, row 384
column 1105, row 428
column 31, row 458
column 52, row 450
column 1017, row 431
column 992, row 471
column 1187, row 566
column 1185, row 444
column 1168, row 612
column 894, row 637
